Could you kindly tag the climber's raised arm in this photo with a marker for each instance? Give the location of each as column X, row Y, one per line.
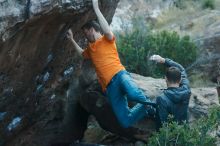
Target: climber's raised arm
column 102, row 21
column 78, row 49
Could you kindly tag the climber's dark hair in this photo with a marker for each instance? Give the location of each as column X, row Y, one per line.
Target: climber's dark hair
column 173, row 75
column 92, row 24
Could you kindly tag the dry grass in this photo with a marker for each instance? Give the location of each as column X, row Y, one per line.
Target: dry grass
column 193, row 20
column 199, row 80
column 217, row 4
column 175, row 15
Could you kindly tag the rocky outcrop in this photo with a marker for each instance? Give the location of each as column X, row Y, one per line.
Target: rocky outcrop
column 209, row 61
column 201, row 100
column 131, row 13
column 37, row 67
column 208, row 39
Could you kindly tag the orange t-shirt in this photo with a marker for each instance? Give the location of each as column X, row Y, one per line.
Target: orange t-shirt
column 104, row 56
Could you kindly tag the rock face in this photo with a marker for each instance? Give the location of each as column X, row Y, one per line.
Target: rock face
column 212, row 55
column 137, row 12
column 208, row 40
column 37, row 67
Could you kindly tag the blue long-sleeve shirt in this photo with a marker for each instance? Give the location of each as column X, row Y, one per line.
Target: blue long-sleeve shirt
column 176, row 98
column 181, row 94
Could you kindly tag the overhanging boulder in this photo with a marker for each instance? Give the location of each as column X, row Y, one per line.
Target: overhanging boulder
column 37, row 67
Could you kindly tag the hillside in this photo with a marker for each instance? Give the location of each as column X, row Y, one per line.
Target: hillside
column 188, row 17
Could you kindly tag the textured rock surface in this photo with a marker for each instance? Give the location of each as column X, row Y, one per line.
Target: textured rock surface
column 40, row 76
column 207, row 36
column 212, row 56
column 142, row 10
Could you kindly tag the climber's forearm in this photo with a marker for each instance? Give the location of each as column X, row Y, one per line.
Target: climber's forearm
column 102, row 21
column 78, row 49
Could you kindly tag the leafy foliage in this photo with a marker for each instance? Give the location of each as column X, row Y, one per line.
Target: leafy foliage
column 198, row 134
column 135, row 49
column 182, row 4
column 208, row 4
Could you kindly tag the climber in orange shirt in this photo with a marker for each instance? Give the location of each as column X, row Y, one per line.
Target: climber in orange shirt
column 116, row 82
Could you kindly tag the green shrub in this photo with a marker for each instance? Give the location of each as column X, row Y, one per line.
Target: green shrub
column 136, row 48
column 198, row 134
column 180, row 4
column 183, row 4
column 208, row 4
